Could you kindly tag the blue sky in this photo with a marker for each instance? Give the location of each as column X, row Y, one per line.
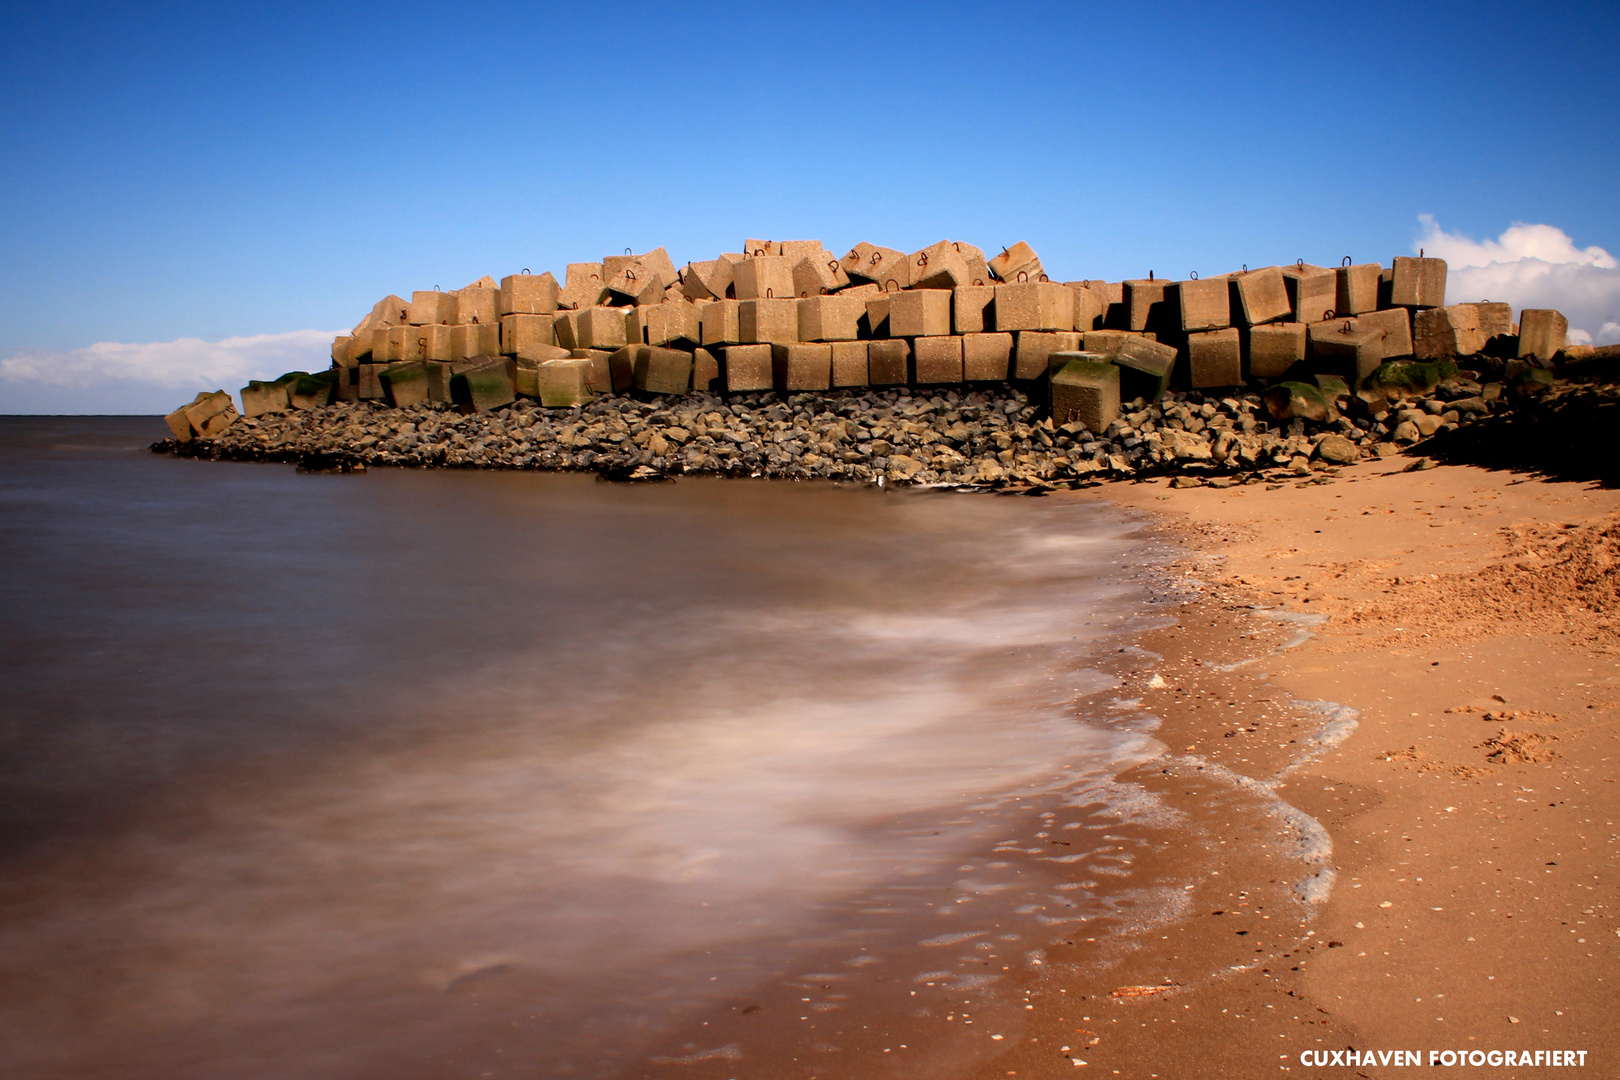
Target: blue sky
column 251, row 172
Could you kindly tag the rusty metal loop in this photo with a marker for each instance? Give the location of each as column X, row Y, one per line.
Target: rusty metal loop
column 922, row 258
column 1345, row 261
column 525, row 270
column 1245, row 268
column 1195, row 275
column 1299, row 264
column 1347, row 328
column 627, row 251
column 1150, row 275
column 770, row 294
column 891, row 285
column 978, row 281
column 833, row 264
column 1420, row 253
column 1043, row 277
column 824, row 290
column 1328, row 313
column 629, row 274
column 877, row 257
column 1023, row 276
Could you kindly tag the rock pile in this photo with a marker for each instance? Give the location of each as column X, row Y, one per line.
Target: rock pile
column 938, row 366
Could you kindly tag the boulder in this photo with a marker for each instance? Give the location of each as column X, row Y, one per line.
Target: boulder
column 1297, row 400
column 1338, row 450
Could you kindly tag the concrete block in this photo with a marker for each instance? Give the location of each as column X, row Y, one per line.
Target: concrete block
column 566, row 328
column 1259, row 296
column 1417, row 283
column 705, row 371
column 638, row 281
column 767, row 277
column 748, row 368
column 1034, row 305
column 1396, row 323
column 1145, row 304
column 710, row 280
column 1543, row 333
column 662, row 371
column 849, row 363
column 478, row 304
column 483, row 388
column 367, row 386
column 920, row 313
column 475, row 339
column 1215, row 358
column 1145, row 367
column 600, row 368
column 818, row 274
column 583, row 286
column 1202, row 305
column 798, row 366
column 1444, row 332
column 888, row 362
column 941, row 266
column 1275, row 348
column 529, row 294
column 526, row 379
column 263, row 398
column 439, row 374
column 431, row 307
column 1106, row 342
column 937, row 360
column 986, row 357
column 1496, row 323
column 1032, row 347
column 307, row 392
column 1313, row 292
column 768, row 320
column 389, row 311
column 347, row 387
column 1356, row 289
column 1017, row 264
column 405, row 384
column 1090, row 306
column 622, row 367
column 884, row 267
column 1339, row 347
column 877, row 316
column 756, row 249
column 600, row 328
column 529, row 337
column 660, row 324
column 973, row 309
column 563, row 383
column 1085, row 389
column 718, row 323
column 340, row 351
column 830, row 318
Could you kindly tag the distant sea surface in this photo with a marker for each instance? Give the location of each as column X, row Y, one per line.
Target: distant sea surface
column 481, row 774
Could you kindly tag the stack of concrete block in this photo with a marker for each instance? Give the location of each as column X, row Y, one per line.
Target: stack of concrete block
column 206, row 416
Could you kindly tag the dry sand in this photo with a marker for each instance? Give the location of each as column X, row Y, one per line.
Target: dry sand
column 1470, row 622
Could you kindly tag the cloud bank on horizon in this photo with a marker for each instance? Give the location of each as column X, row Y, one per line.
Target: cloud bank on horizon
column 1534, row 266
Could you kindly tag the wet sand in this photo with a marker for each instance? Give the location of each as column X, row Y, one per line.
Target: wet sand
column 1471, row 809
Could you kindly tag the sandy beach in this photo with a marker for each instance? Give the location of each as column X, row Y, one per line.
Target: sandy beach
column 1466, row 617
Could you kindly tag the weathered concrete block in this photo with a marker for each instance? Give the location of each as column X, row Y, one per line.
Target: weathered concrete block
column 600, row 368
column 1090, row 306
column 986, row 357
column 565, row 326
column 756, row 249
column 483, row 388
column 1341, row 348
column 530, row 337
column 1215, row 358
column 973, row 309
column 307, row 392
column 888, row 362
column 1202, row 305
column 849, row 363
column 1313, row 292
column 876, row 323
column 1145, row 367
column 709, row 280
column 920, row 313
column 830, row 318
column 529, row 294
column 367, row 386
column 263, row 398
column 478, row 304
column 661, row 324
column 884, row 267
column 622, row 367
column 1034, row 305
column 1417, row 283
column 662, row 371
column 1108, row 342
column 943, row 266
column 1033, row 347
column 563, row 383
column 405, row 384
column 389, row 311
column 340, row 351
column 768, row 320
column 1275, row 348
column 208, row 414
column 1396, row 323
column 748, row 368
column 347, row 387
column 431, row 307
column 1017, row 264
column 818, row 274
column 526, row 378
column 767, row 277
column 794, row 250
column 719, row 324
column 1146, row 304
column 639, row 280
column 1543, row 333
column 436, row 341
column 583, row 286
column 1085, row 388
column 798, row 366
column 1259, row 296
column 600, row 328
column 938, row 360
column 1356, row 289
column 1496, row 323
column 439, row 374
column 474, row 339
column 1444, row 332
column 705, row 371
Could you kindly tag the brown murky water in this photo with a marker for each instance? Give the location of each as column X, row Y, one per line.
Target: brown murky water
column 425, row 774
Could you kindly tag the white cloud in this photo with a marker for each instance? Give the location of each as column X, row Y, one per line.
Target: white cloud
column 119, row 377
column 1532, row 266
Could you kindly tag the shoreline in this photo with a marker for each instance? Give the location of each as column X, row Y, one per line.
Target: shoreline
column 1474, row 711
